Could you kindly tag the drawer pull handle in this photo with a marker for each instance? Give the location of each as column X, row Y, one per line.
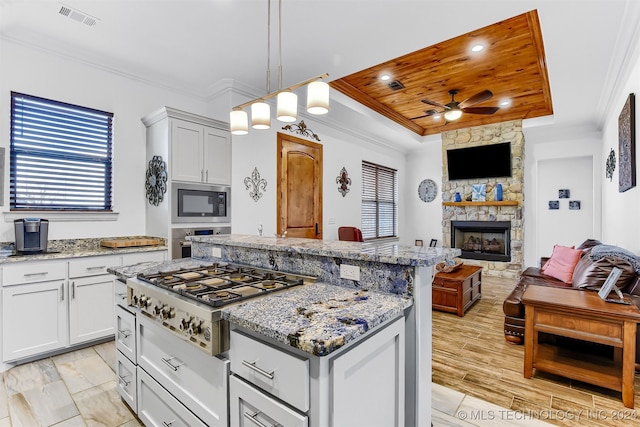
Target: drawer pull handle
column 98, row 267
column 168, row 424
column 44, row 273
column 123, row 381
column 171, row 365
column 252, row 365
column 121, row 295
column 125, row 334
column 253, row 419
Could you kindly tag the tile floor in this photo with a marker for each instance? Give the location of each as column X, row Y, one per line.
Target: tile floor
column 79, row 389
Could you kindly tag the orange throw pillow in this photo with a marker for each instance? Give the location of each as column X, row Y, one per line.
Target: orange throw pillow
column 562, row 263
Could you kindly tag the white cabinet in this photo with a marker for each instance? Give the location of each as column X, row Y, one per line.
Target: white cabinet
column 199, row 153
column 126, row 333
column 369, row 373
column 34, row 319
column 91, row 308
column 126, row 378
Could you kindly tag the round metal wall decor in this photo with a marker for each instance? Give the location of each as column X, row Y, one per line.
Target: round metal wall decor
column 611, row 164
column 156, row 181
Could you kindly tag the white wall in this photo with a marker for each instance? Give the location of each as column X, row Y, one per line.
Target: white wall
column 423, row 220
column 30, row 71
column 572, row 162
column 620, row 225
column 258, row 149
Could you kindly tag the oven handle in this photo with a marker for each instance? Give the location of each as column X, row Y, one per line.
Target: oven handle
column 252, row 365
column 171, row 365
column 253, row 419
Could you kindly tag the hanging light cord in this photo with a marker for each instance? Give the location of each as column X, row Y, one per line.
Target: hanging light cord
column 268, row 46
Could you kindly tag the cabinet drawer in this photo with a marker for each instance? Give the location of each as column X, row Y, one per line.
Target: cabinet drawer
column 126, row 333
column 198, row 380
column 156, row 407
column 250, row 408
column 93, row 266
column 31, row 272
column 120, row 290
column 282, row 374
column 126, row 378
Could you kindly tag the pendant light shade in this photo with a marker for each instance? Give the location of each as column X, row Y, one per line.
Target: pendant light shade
column 239, row 122
column 287, row 106
column 260, row 115
column 318, row 98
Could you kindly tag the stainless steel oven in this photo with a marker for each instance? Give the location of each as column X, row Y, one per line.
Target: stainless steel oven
column 181, row 247
column 200, row 203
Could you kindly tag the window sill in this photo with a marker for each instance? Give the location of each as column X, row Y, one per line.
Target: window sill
column 62, row 216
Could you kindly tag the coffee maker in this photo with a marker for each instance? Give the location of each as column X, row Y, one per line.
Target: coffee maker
column 31, row 235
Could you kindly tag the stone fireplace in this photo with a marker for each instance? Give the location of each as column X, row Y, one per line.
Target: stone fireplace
column 482, row 240
column 491, row 218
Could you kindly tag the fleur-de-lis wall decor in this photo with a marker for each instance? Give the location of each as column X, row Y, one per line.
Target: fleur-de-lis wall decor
column 254, row 183
column 301, row 129
column 344, row 181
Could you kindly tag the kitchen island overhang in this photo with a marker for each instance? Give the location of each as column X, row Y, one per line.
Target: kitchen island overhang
column 384, row 267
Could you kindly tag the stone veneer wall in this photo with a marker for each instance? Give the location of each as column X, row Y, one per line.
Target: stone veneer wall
column 512, row 190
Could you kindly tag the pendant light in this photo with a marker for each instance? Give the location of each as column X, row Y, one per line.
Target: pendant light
column 287, row 100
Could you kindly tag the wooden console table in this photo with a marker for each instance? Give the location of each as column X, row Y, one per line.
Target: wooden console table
column 455, row 292
column 581, row 315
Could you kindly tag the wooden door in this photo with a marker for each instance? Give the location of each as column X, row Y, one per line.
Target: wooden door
column 299, row 206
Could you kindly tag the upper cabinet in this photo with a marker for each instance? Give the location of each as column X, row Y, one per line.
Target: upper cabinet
column 200, row 153
column 196, row 148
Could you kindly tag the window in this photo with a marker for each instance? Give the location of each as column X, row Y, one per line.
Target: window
column 379, row 201
column 60, row 156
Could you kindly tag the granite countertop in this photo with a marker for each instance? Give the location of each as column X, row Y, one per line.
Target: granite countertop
column 73, row 248
column 317, row 318
column 128, row 271
column 390, row 253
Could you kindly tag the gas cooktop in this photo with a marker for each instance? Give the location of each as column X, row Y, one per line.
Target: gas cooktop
column 220, row 284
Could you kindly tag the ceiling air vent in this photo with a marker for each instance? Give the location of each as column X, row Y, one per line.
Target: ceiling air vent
column 76, row 15
column 396, row 85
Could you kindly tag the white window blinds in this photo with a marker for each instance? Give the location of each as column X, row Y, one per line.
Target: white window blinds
column 379, row 201
column 60, row 156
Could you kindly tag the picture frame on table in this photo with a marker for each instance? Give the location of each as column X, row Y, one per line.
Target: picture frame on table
column 433, row 243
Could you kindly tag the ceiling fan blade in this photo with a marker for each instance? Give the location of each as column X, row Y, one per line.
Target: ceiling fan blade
column 476, row 99
column 427, row 114
column 480, row 110
column 428, row 101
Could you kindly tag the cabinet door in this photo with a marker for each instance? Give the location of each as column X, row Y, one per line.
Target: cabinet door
column 93, row 265
column 186, row 151
column 217, row 156
column 91, row 308
column 371, row 376
column 126, row 333
column 34, row 319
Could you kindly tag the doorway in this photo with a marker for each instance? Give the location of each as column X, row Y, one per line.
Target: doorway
column 299, row 200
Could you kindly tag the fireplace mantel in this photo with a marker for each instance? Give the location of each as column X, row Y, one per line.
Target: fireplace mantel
column 489, row 203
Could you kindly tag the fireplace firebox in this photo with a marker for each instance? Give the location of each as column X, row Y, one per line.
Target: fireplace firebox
column 482, row 240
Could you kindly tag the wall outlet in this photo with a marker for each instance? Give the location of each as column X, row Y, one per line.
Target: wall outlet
column 216, row 252
column 351, row 272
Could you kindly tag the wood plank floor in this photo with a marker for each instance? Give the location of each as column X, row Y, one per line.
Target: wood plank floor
column 471, row 356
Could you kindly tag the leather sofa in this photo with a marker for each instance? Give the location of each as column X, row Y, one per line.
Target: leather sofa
column 589, row 274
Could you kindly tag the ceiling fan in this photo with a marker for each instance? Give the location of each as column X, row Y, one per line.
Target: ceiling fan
column 453, row 110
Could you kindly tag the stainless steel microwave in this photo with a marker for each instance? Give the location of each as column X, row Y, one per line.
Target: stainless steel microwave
column 200, row 203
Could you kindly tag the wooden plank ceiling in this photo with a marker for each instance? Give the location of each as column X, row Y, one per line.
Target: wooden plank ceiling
column 512, row 66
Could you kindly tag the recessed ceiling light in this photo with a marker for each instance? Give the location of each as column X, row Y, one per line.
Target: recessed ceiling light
column 477, row 48
column 505, row 102
column 385, row 77
column 436, row 116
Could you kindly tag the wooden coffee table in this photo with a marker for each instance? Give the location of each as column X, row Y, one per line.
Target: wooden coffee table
column 455, row 292
column 581, row 315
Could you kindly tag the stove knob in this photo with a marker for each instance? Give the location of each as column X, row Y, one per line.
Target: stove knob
column 184, row 324
column 167, row 312
column 157, row 310
column 142, row 302
column 148, row 303
column 134, row 300
column 195, row 328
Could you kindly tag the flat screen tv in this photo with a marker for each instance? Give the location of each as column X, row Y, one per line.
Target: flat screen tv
column 482, row 161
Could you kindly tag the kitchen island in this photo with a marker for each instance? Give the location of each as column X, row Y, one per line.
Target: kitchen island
column 388, row 268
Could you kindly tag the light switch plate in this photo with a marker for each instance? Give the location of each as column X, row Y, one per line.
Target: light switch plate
column 351, row 272
column 216, row 252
